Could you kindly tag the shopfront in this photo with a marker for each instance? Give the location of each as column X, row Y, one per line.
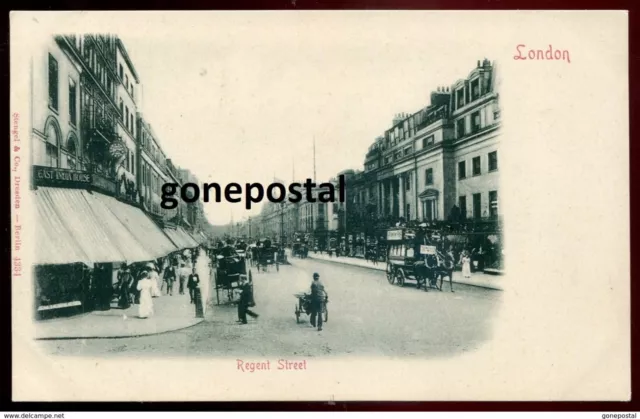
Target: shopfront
column 82, row 242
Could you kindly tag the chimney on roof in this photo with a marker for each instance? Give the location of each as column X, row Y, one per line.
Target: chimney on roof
column 478, row 63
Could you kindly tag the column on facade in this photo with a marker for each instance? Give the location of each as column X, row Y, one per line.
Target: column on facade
column 416, row 204
column 381, row 200
column 393, row 190
column 401, row 196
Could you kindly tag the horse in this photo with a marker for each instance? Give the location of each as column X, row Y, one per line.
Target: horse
column 444, row 269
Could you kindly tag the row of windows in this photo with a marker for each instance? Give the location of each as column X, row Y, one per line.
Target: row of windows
column 127, row 118
column 125, row 81
column 430, row 207
column 477, row 205
column 473, row 92
column 99, row 68
column 476, row 165
column 54, row 88
column 428, row 173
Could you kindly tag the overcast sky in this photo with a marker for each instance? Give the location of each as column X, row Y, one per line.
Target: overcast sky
column 240, row 97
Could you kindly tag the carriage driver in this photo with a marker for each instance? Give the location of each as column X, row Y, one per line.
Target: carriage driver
column 318, row 299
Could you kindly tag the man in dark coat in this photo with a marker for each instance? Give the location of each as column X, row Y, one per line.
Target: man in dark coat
column 318, row 300
column 169, row 278
column 124, row 284
column 192, row 284
column 246, row 301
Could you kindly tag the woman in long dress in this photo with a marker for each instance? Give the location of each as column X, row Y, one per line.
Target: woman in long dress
column 466, row 264
column 145, row 286
column 155, row 280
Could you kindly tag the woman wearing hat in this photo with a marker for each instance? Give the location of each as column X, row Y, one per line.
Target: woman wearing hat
column 145, row 285
column 155, row 278
column 465, row 260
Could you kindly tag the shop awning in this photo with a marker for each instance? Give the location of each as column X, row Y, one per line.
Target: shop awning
column 55, row 244
column 130, row 246
column 196, row 238
column 81, row 223
column 140, row 226
column 180, row 237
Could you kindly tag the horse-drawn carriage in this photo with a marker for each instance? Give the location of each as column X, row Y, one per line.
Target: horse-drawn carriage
column 266, row 255
column 299, row 250
column 229, row 268
column 241, row 249
column 412, row 256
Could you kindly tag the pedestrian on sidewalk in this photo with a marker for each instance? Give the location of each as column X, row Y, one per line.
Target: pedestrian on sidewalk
column 192, row 284
column 169, row 278
column 194, row 256
column 465, row 260
column 123, row 289
column 319, row 298
column 145, row 285
column 246, row 300
column 183, row 276
column 155, row 280
column 134, row 294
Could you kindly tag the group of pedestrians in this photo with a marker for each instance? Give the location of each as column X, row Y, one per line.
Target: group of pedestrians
column 141, row 284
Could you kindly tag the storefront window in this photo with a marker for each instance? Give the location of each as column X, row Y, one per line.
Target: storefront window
column 53, row 143
column 60, row 286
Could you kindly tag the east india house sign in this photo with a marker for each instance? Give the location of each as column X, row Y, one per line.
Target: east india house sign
column 65, row 178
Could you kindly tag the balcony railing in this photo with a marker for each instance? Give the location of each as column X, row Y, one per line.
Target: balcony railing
column 433, row 116
column 99, row 124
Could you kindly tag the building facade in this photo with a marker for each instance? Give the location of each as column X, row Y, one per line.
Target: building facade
column 152, row 169
column 442, row 160
column 127, row 88
column 87, row 161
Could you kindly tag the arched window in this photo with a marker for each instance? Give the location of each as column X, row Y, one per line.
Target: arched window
column 53, row 144
column 72, row 152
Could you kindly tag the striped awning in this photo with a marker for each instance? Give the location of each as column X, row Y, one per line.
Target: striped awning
column 140, row 226
column 196, row 238
column 56, row 245
column 180, row 237
column 134, row 249
column 80, row 223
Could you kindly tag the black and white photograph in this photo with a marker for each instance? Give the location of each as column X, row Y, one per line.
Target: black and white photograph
column 345, row 199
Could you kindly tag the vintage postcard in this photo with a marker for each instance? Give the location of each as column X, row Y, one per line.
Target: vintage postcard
column 321, row 206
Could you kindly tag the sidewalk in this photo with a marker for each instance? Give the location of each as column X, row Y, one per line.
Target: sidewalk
column 477, row 279
column 170, row 313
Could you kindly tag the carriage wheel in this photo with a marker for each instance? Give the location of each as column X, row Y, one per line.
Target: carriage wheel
column 390, row 274
column 297, row 311
column 400, row 278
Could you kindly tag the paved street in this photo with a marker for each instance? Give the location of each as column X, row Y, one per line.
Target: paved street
column 367, row 316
